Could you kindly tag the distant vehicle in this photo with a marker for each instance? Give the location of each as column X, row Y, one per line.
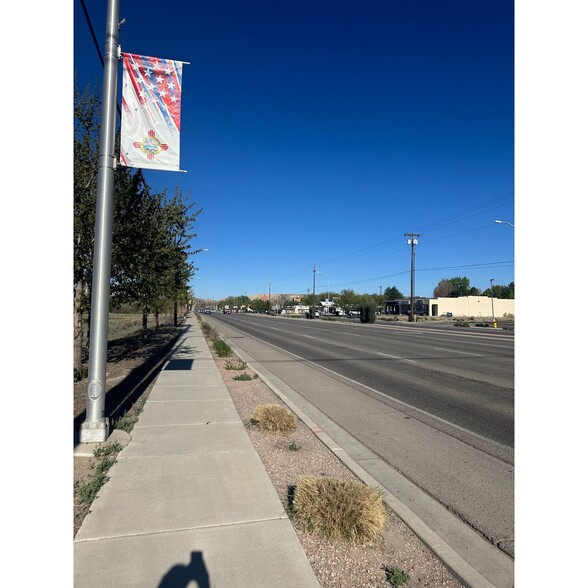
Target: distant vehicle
column 227, row 309
column 353, row 313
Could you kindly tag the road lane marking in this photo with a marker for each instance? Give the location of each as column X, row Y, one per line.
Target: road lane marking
column 388, row 396
column 456, row 351
column 395, row 357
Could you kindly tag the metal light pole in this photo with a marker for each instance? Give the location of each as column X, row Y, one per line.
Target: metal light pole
column 412, row 242
column 96, row 427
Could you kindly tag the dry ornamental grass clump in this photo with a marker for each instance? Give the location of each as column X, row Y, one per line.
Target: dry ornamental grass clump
column 274, row 418
column 340, row 509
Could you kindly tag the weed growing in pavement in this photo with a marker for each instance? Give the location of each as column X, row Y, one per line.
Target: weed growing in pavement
column 87, row 491
column 294, row 446
column 129, row 418
column 237, row 365
column 244, row 377
column 274, row 418
column 461, row 324
column 106, row 450
column 340, row 509
column 395, row 576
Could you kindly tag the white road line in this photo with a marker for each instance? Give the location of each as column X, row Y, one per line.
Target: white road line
column 456, row 351
column 431, row 415
column 395, row 357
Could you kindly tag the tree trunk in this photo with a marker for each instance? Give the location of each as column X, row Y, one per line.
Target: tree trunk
column 78, row 330
column 157, row 319
column 145, row 313
column 175, row 313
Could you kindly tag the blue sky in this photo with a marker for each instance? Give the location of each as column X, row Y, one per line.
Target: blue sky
column 301, row 112
column 319, row 133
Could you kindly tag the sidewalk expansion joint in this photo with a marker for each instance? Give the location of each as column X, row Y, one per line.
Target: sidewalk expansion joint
column 238, row 422
column 182, row 529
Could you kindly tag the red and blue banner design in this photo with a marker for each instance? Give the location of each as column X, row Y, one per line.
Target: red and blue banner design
column 151, row 103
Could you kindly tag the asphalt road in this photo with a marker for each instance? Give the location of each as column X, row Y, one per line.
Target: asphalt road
column 436, row 402
column 459, row 377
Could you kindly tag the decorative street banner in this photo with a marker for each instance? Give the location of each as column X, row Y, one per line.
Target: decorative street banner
column 151, row 100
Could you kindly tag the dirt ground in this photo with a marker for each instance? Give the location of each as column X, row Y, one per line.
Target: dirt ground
column 133, row 364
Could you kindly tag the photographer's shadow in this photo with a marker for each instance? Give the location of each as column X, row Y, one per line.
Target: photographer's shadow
column 180, row 576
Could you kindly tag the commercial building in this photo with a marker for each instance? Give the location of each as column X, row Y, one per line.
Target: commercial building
column 462, row 306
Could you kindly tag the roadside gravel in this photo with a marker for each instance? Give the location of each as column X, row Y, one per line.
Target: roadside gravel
column 336, row 564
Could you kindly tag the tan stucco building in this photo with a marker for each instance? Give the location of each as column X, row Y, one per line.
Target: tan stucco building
column 467, row 306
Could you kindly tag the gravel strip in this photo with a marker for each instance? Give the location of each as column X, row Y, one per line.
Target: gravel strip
column 286, row 458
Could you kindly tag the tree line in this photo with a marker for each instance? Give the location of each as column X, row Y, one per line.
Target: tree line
column 351, row 300
column 152, row 231
column 454, row 287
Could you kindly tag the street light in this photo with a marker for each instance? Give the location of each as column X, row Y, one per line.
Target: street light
column 503, row 222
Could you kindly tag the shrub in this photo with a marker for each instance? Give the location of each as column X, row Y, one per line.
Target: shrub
column 209, row 332
column 274, row 418
column 395, row 576
column 340, row 509
column 243, row 377
column 237, row 365
column 222, row 348
column 367, row 311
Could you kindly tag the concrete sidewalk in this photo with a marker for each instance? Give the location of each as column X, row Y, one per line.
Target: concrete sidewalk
column 189, row 500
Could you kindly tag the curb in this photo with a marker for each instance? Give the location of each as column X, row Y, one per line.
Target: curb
column 460, row 568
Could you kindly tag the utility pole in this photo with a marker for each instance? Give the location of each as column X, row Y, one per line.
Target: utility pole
column 412, row 241
column 313, row 291
column 95, row 428
column 269, row 298
column 492, row 298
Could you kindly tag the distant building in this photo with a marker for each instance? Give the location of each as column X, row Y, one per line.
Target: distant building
column 295, row 309
column 401, row 306
column 476, row 306
column 461, row 306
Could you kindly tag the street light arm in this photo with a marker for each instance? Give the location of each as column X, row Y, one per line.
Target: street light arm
column 500, row 222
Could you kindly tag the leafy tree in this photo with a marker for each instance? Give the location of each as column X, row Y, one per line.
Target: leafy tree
column 140, row 250
column 258, row 304
column 454, row 287
column 498, row 291
column 443, row 289
column 393, row 293
column 178, row 221
column 85, row 181
column 348, row 299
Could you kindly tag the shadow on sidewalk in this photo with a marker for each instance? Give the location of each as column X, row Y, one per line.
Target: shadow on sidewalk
column 121, row 397
column 181, row 576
